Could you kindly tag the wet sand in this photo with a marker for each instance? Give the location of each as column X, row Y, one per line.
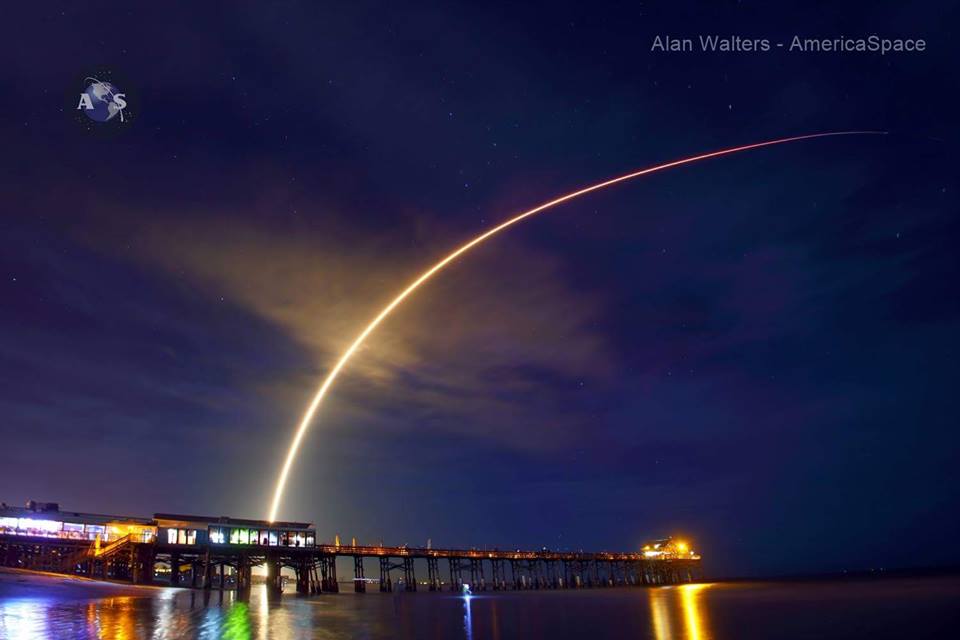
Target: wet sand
column 21, row 583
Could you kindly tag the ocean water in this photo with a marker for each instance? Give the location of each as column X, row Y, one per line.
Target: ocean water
column 903, row 608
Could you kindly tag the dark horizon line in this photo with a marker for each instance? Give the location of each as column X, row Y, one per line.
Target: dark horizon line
column 881, row 572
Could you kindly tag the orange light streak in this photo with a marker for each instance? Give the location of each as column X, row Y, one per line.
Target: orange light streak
column 307, row 419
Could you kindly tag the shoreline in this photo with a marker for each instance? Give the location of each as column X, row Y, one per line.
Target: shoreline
column 29, row 583
column 26, row 583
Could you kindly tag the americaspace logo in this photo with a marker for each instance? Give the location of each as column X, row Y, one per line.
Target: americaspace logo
column 103, row 101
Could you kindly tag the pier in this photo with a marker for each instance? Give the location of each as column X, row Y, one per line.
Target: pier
column 204, row 552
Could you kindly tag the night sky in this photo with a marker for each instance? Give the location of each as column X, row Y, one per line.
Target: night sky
column 758, row 352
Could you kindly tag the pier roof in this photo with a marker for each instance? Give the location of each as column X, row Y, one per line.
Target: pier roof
column 264, row 524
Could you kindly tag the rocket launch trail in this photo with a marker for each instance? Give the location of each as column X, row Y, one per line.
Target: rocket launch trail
column 311, row 411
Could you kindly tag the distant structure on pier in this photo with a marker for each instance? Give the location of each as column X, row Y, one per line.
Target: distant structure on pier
column 218, row 552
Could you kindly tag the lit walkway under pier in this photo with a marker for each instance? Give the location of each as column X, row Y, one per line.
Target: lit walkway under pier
column 207, row 552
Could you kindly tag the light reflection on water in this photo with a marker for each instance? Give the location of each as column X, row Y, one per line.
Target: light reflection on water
column 467, row 622
column 686, row 612
column 23, row 619
column 679, row 613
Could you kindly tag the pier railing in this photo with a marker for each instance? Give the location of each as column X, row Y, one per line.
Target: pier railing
column 489, row 554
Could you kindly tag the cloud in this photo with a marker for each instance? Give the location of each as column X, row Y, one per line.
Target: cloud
column 491, row 336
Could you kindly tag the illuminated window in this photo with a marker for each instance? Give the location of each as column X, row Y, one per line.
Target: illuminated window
column 8, row 523
column 300, row 539
column 216, row 535
column 310, row 540
column 94, row 530
column 264, row 538
column 39, row 527
column 191, row 536
column 234, row 536
column 171, row 536
column 244, row 536
column 181, row 536
column 273, row 538
column 284, row 538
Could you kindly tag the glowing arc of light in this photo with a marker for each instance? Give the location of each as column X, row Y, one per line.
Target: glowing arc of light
column 307, row 419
